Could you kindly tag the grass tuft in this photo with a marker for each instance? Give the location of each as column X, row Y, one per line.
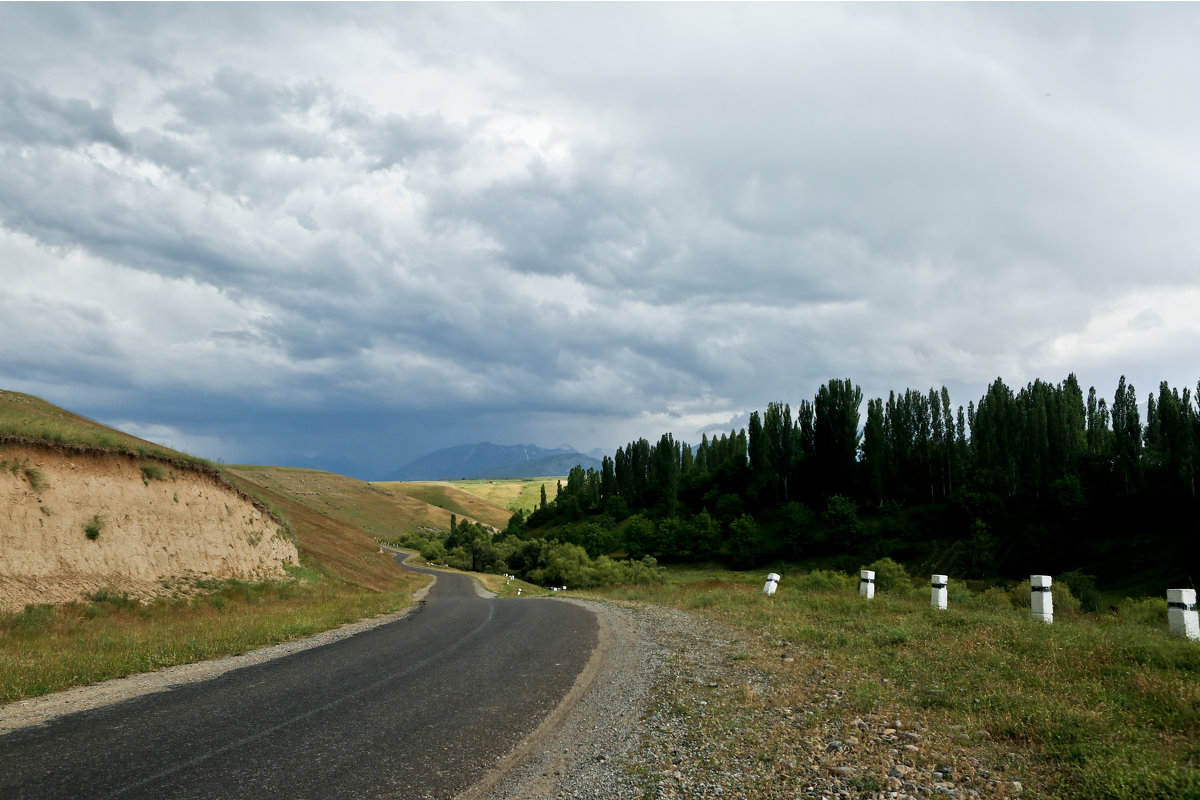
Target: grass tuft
column 93, row 527
column 36, row 478
column 153, row 472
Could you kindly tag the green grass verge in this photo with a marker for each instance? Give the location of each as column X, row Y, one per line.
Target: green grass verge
column 47, row 648
column 1093, row 706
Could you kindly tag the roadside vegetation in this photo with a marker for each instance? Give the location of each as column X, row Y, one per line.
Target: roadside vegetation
column 468, row 546
column 47, row 648
column 1093, row 706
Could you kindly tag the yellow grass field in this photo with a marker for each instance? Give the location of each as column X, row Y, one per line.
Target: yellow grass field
column 509, row 494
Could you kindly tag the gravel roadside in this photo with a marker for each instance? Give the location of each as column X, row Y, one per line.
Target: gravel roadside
column 678, row 709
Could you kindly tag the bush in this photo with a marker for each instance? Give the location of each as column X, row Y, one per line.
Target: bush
column 93, row 527
column 891, row 577
column 1083, row 587
column 433, row 551
column 1064, row 601
column 1147, row 611
column 957, row 594
column 114, row 598
column 994, row 599
column 826, row 580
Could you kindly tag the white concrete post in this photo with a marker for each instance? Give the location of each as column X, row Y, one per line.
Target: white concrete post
column 1181, row 613
column 1041, row 602
column 937, row 595
column 771, row 585
column 866, row 583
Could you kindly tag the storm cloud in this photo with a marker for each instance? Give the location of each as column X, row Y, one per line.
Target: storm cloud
column 347, row 235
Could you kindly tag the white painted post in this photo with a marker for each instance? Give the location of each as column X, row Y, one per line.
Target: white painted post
column 1181, row 613
column 937, row 595
column 771, row 585
column 866, row 583
column 1041, row 602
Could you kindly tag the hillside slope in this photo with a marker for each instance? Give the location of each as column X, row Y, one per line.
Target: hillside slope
column 383, row 510
column 74, row 520
column 451, row 499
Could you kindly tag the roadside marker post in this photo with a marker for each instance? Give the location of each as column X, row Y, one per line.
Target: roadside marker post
column 937, row 594
column 866, row 583
column 1041, row 602
column 1181, row 613
column 771, row 585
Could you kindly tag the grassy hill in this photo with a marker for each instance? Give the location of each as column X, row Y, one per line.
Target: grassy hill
column 383, row 510
column 508, row 493
column 25, row 417
column 486, row 501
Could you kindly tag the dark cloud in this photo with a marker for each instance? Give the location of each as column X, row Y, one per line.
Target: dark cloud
column 32, row 116
column 363, row 232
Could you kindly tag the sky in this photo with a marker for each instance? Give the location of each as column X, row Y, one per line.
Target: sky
column 345, row 236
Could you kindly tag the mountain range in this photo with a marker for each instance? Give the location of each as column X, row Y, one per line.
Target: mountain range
column 487, row 460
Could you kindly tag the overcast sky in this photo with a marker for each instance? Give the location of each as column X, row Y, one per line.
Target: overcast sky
column 356, row 234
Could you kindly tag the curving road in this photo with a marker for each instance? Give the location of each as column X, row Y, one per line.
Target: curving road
column 419, row 708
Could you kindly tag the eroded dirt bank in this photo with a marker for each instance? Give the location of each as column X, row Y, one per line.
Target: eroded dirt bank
column 72, row 523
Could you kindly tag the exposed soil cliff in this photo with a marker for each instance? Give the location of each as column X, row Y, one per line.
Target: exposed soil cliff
column 73, row 522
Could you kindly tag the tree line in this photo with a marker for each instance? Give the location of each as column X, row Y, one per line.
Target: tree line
column 1040, row 469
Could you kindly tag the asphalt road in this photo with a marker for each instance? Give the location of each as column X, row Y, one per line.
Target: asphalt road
column 419, row 708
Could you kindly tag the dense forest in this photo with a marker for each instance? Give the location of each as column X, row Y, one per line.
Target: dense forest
column 1036, row 480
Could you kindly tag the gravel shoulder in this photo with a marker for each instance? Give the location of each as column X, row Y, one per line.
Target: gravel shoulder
column 679, row 706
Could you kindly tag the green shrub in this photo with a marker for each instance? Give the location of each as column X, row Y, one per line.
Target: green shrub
column 1064, row 601
column 957, row 594
column 826, row 580
column 891, row 576
column 433, row 551
column 1083, row 587
column 93, row 527
column 995, row 599
column 1146, row 611
column 114, row 598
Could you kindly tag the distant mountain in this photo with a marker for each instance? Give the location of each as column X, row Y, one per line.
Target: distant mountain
column 486, row 460
column 557, row 464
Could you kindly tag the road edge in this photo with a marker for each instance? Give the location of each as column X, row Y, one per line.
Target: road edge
column 529, row 747
column 46, row 708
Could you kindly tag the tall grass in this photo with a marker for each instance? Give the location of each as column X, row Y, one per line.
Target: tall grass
column 1095, row 706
